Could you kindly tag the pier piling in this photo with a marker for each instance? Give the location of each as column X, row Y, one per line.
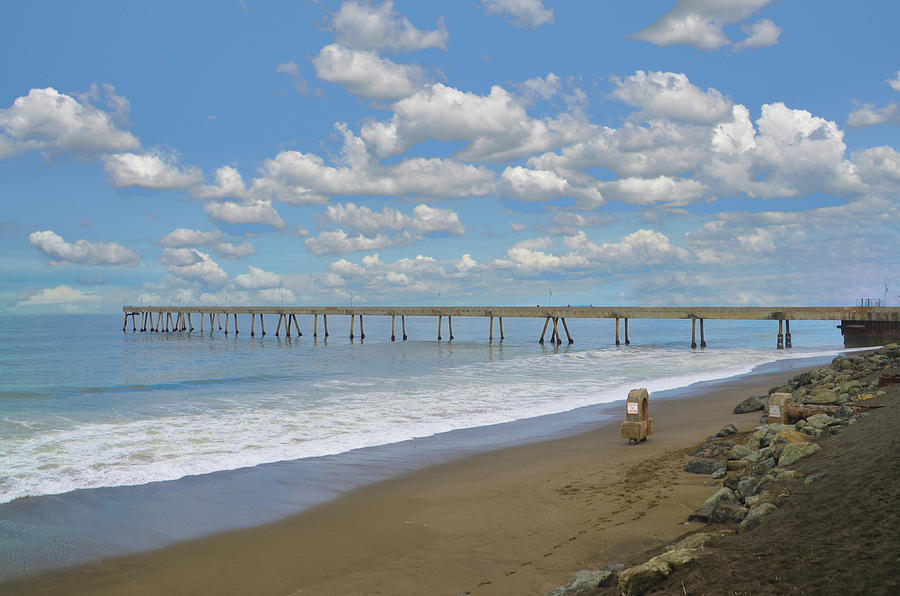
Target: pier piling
column 362, row 331
column 502, row 337
column 325, row 323
column 627, row 339
column 450, row 326
column 393, row 320
column 491, row 329
column 544, row 330
column 253, row 325
column 315, row 326
column 617, row 331
column 787, row 333
column 403, row 325
column 568, row 335
column 439, row 328
column 278, row 329
column 702, row 336
column 352, row 317
column 780, row 344
column 262, row 324
column 297, row 326
column 693, row 334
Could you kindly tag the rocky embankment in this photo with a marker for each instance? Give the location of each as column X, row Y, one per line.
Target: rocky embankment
column 752, row 469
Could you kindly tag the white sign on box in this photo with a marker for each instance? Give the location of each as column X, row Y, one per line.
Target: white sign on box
column 632, row 407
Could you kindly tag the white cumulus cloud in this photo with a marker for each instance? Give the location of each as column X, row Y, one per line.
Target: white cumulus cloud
column 698, row 23
column 365, row 73
column 149, row 170
column 81, row 252
column 181, row 237
column 367, row 26
column 56, row 124
column 526, row 14
column 761, row 34
column 671, row 95
column 338, row 242
column 257, row 279
column 247, row 212
column 192, row 265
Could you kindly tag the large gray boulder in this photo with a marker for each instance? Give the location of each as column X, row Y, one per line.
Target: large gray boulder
column 754, row 518
column 795, row 451
column 704, row 466
column 638, row 580
column 584, row 582
column 723, row 495
column 751, row 404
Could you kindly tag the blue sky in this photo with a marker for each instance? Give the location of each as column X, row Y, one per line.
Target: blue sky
column 476, row 152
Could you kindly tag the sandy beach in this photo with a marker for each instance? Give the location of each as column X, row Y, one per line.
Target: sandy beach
column 515, row 521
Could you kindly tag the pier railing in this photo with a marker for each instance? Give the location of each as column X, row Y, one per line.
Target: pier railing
column 178, row 318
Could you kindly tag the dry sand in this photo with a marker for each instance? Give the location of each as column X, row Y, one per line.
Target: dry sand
column 520, row 520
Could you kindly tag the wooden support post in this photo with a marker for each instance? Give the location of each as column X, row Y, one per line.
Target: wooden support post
column 780, row 344
column 702, row 335
column 544, row 331
column 568, row 335
column 226, row 324
column 617, row 330
column 177, row 326
column 439, row 327
column 362, row 332
column 278, row 329
column 787, row 333
column 393, row 318
column 315, row 325
column 169, row 322
column 262, row 325
column 253, row 324
column 450, row 326
column 235, row 325
column 693, row 334
column 491, row 332
column 201, row 323
column 352, row 317
column 287, row 325
column 556, row 330
column 124, row 322
column 403, row 326
column 219, row 319
column 325, row 322
column 190, row 324
column 502, row 337
column 297, row 326
column 143, row 322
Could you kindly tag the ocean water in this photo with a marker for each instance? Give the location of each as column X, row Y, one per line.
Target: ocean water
column 85, row 406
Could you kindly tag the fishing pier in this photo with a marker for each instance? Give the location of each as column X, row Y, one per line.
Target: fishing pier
column 874, row 324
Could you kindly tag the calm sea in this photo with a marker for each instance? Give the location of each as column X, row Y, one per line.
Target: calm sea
column 83, row 405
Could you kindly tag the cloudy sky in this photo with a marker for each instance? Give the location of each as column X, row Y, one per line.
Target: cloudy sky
column 732, row 152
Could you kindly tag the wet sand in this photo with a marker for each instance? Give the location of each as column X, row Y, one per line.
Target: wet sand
column 519, row 520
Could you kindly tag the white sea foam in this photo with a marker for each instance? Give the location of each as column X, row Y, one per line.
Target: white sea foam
column 227, row 426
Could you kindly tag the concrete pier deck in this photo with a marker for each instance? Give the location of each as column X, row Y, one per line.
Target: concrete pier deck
column 748, row 313
column 858, row 324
